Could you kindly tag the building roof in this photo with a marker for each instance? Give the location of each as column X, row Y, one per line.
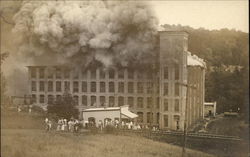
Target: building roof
column 102, row 109
column 193, row 60
column 209, row 103
column 125, row 113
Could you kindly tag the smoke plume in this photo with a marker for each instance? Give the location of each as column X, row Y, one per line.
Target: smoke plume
column 78, row 32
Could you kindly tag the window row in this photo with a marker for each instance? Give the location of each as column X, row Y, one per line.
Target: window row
column 176, row 105
column 149, row 117
column 176, row 121
column 176, row 72
column 92, row 87
column 91, row 73
column 92, row 101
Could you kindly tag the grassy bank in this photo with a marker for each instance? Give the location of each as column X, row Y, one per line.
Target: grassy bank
column 22, row 135
column 32, row 142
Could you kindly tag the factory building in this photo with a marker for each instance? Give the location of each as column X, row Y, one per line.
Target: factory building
column 158, row 93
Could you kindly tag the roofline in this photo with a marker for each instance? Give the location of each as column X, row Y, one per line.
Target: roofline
column 100, row 110
column 182, row 31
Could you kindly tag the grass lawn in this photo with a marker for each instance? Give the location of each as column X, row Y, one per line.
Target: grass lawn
column 37, row 143
column 22, row 135
column 232, row 126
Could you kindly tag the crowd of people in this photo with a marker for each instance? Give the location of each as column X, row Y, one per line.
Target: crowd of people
column 74, row 125
column 123, row 125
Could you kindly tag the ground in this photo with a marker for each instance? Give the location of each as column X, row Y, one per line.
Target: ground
column 22, row 135
column 232, row 126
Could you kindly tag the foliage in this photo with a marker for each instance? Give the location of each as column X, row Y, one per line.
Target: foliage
column 226, row 55
column 3, row 80
column 63, row 107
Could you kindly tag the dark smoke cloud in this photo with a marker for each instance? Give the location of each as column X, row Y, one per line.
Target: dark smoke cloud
column 66, row 32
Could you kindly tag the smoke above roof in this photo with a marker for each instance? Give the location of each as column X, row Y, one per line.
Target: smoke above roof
column 78, row 32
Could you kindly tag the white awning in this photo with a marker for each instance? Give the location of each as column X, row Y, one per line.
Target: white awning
column 126, row 113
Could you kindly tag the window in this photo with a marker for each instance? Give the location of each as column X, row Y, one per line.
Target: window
column 76, row 100
column 102, row 87
column 111, row 74
column 50, row 73
column 93, row 73
column 58, row 73
column 84, row 74
column 130, row 74
column 33, row 85
column 130, row 87
column 177, row 121
column 176, row 105
column 158, row 87
column 41, row 73
column 84, row 100
column 140, row 102
column 93, row 86
column 111, row 101
column 149, row 102
column 111, row 87
column 50, row 86
column 102, row 74
column 131, row 101
column 93, row 101
column 58, row 86
column 41, row 100
column 120, row 101
column 165, row 104
column 66, row 73
column 121, row 74
column 165, row 72
column 102, row 100
column 177, row 89
column 149, row 87
column 140, row 117
column 58, row 97
column 149, row 117
column 157, row 118
column 165, row 89
column 121, row 87
column 33, row 72
column 176, row 72
column 75, row 75
column 33, row 100
column 75, row 87
column 139, row 87
column 157, row 102
column 41, row 86
column 66, row 86
column 84, row 86
column 165, row 120
column 50, row 99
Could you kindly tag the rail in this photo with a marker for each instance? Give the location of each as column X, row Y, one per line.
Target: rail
column 179, row 133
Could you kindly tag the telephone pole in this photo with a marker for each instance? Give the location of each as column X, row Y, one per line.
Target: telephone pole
column 185, row 117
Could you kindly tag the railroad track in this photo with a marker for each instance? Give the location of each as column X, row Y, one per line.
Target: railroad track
column 193, row 135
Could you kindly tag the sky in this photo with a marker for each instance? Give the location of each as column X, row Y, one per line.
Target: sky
column 207, row 14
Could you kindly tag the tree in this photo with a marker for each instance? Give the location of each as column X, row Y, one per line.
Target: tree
column 3, row 80
column 63, row 107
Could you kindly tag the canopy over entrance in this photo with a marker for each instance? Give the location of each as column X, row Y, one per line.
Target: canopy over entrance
column 125, row 113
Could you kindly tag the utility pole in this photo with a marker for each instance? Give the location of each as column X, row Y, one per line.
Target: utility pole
column 185, row 118
column 153, row 95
